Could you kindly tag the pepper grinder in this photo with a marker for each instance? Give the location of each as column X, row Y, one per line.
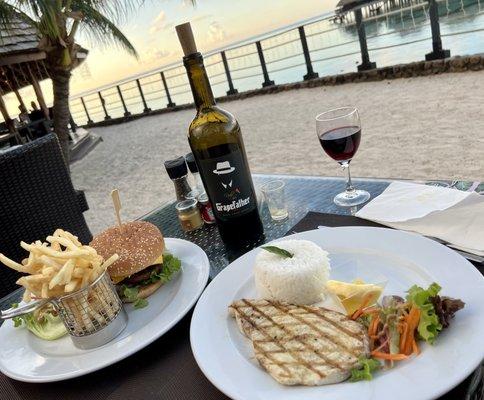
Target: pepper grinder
column 177, row 171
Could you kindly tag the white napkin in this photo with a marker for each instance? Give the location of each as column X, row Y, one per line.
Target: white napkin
column 451, row 215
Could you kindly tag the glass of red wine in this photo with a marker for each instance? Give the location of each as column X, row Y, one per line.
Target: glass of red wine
column 339, row 132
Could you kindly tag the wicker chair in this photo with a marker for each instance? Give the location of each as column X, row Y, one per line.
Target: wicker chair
column 36, row 197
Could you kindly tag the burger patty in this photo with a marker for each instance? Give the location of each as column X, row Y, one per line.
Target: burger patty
column 142, row 275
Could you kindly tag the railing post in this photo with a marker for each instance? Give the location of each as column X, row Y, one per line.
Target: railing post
column 72, row 123
column 165, row 85
column 146, row 109
column 89, row 120
column 231, row 90
column 311, row 74
column 365, row 57
column 126, row 112
column 103, row 103
column 267, row 81
column 437, row 52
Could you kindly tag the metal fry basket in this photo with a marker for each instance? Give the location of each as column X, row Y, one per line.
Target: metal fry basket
column 93, row 315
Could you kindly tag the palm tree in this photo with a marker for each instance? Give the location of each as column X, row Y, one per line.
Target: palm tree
column 57, row 23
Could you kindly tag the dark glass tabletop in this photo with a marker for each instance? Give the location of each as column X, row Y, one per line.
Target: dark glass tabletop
column 303, row 194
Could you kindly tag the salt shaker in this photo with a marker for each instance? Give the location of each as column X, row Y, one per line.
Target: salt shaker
column 192, row 166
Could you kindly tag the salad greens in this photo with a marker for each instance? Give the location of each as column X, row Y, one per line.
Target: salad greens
column 171, row 265
column 364, row 370
column 44, row 323
column 395, row 326
column 429, row 325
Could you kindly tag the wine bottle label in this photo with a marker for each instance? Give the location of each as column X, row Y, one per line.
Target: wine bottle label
column 228, row 184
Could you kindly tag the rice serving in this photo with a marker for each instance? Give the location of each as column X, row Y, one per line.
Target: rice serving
column 297, row 280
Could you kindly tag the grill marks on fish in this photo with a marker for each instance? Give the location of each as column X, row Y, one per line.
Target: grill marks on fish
column 301, row 345
column 335, row 340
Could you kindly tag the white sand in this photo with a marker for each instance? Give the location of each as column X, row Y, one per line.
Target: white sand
column 423, row 128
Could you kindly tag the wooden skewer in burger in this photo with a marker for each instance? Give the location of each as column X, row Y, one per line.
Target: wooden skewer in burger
column 143, row 266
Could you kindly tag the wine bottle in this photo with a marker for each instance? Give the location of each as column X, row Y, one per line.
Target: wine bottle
column 216, row 142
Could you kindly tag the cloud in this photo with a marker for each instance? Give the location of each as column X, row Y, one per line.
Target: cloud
column 159, row 23
column 215, row 32
column 154, row 55
column 200, row 17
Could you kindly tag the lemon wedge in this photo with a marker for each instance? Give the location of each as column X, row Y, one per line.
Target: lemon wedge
column 353, row 294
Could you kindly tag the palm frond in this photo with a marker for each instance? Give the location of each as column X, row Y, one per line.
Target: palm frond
column 43, row 12
column 117, row 11
column 99, row 28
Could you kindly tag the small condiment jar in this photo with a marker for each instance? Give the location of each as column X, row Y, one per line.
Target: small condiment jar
column 189, row 215
column 206, row 209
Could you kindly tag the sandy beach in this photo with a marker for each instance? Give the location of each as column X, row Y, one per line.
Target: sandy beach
column 419, row 128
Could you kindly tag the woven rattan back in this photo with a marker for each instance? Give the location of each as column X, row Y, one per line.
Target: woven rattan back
column 36, row 197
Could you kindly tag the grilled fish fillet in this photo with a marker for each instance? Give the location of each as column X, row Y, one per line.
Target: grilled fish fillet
column 301, row 345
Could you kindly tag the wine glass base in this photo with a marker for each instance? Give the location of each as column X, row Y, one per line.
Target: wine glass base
column 352, row 198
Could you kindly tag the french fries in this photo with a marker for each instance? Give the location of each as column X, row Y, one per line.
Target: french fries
column 59, row 266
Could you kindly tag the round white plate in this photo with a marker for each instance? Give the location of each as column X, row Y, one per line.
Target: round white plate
column 27, row 358
column 404, row 259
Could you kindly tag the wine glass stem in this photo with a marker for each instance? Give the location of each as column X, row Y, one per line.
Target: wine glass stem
column 349, row 184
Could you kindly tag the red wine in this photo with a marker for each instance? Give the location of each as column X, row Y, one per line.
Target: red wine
column 341, row 143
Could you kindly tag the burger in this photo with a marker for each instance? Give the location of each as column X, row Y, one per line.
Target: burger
column 142, row 267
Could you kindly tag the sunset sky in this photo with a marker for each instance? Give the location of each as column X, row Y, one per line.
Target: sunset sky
column 151, row 29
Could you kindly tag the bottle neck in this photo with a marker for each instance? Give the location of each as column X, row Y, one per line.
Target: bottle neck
column 197, row 76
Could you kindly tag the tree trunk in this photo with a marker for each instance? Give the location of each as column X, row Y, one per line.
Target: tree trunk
column 60, row 82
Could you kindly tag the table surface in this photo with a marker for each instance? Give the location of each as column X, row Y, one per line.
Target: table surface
column 303, row 194
column 138, row 374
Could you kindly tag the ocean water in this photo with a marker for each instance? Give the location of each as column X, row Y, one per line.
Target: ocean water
column 401, row 35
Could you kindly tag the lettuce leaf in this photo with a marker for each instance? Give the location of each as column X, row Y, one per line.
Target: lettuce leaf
column 130, row 293
column 429, row 325
column 140, row 303
column 43, row 324
column 171, row 265
column 364, row 370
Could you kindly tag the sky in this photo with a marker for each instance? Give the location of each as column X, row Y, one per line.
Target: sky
column 151, row 29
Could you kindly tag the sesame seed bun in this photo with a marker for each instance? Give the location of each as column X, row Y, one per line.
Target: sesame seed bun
column 138, row 246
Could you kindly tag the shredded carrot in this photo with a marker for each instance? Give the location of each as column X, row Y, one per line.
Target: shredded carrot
column 371, row 310
column 373, row 326
column 386, row 356
column 412, row 321
column 363, row 305
column 407, row 337
column 415, row 348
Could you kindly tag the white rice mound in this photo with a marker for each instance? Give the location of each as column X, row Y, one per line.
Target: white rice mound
column 297, row 280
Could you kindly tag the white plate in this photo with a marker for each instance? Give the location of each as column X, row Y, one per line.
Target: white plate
column 27, row 358
column 226, row 357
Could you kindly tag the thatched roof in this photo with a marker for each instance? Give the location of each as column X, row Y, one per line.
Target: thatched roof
column 20, row 56
column 18, row 37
